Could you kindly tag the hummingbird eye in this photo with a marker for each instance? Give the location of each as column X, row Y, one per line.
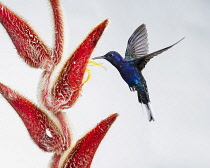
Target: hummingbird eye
column 111, row 55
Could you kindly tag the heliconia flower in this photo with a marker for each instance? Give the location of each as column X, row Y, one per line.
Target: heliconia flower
column 66, row 89
column 51, row 132
column 82, row 154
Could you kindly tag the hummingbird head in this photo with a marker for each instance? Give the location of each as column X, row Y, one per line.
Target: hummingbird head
column 111, row 56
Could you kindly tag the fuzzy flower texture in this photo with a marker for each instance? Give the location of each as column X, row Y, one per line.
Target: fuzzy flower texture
column 52, row 133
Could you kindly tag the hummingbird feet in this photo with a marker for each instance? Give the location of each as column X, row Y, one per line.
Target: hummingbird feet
column 132, row 88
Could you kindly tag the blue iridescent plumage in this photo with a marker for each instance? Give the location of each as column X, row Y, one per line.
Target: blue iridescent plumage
column 130, row 67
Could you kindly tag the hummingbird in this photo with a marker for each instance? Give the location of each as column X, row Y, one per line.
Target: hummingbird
column 130, row 67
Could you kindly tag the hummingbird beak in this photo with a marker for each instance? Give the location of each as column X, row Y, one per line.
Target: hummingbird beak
column 100, row 57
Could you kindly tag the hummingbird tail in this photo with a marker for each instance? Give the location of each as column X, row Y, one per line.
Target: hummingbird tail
column 143, row 97
column 149, row 112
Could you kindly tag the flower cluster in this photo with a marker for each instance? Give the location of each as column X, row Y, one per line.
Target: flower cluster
column 51, row 132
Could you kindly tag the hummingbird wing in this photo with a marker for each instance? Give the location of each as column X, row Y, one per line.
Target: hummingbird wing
column 137, row 44
column 142, row 61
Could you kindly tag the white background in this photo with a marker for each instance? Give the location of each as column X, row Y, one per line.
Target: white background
column 178, row 82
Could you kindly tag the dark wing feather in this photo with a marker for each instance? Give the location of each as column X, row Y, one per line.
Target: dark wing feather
column 137, row 44
column 141, row 62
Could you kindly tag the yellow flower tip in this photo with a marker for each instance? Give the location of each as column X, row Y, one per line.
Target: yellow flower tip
column 88, row 76
column 93, row 63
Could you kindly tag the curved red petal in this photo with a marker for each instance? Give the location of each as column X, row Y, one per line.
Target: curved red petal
column 45, row 132
column 66, row 88
column 29, row 46
column 82, row 154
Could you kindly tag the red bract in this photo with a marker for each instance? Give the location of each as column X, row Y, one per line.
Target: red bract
column 43, row 130
column 28, row 44
column 67, row 86
column 82, row 154
column 52, row 133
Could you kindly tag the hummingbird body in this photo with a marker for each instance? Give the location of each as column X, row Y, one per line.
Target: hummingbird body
column 130, row 67
column 128, row 71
